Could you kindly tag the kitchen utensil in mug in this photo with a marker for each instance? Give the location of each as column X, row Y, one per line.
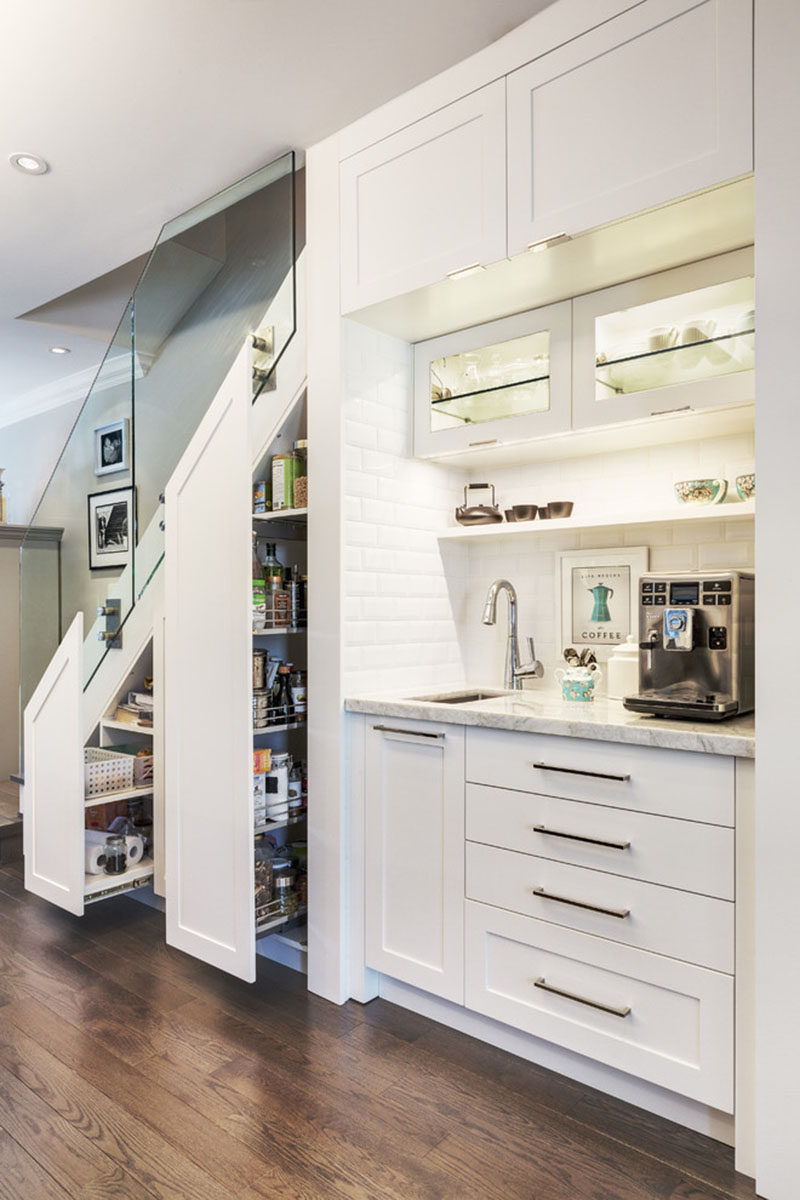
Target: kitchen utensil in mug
column 578, row 683
column 478, row 514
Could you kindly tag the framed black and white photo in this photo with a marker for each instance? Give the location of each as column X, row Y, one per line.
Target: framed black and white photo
column 111, row 447
column 110, row 528
column 597, row 593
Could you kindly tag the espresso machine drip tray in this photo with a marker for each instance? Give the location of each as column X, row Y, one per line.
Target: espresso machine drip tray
column 683, row 700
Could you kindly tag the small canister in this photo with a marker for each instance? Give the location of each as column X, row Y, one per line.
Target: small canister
column 261, row 701
column 623, row 670
column 301, row 481
column 259, row 670
column 116, row 855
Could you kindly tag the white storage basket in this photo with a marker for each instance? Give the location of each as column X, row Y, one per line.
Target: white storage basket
column 106, row 771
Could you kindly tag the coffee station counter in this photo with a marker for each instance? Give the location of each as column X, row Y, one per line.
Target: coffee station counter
column 543, row 711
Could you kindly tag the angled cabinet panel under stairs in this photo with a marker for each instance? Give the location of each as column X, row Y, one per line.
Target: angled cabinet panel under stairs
column 208, row 701
column 52, row 811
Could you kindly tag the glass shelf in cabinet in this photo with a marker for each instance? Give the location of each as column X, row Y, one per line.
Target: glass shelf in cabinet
column 711, row 358
column 495, row 403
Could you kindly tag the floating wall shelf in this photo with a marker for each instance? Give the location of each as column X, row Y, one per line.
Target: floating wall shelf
column 705, row 512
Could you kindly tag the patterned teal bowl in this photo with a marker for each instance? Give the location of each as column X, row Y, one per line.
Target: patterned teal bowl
column 702, row 491
column 746, row 486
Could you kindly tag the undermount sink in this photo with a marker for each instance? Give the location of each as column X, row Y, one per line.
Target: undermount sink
column 460, row 697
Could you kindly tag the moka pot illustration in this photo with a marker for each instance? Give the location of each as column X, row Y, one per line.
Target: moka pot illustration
column 602, row 595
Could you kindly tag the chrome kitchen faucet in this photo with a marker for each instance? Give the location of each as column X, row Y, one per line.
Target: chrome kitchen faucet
column 515, row 671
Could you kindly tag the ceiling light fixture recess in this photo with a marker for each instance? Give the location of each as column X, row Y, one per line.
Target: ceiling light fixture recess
column 29, row 164
column 60, row 350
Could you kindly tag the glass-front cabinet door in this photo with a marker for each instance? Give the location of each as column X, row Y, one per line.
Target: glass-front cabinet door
column 673, row 342
column 501, row 382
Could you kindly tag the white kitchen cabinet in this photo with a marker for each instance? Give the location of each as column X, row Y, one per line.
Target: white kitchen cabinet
column 652, row 105
column 665, row 1021
column 680, row 340
column 208, row 702
column 501, row 382
column 426, row 201
column 414, row 853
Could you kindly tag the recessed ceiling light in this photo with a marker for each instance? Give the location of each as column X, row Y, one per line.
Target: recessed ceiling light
column 60, row 350
column 29, row 164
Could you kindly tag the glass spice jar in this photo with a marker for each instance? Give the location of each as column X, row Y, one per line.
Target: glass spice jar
column 116, row 855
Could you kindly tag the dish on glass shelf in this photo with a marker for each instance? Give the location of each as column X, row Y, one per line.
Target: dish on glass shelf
column 702, row 491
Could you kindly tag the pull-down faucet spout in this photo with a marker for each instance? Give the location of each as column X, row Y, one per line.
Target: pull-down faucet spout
column 515, row 671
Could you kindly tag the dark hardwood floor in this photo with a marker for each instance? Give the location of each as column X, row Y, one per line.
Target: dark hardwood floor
column 129, row 1070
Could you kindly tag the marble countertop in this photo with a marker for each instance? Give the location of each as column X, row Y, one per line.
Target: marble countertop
column 534, row 711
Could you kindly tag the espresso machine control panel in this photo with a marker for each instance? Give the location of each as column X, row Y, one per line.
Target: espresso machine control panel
column 696, row 651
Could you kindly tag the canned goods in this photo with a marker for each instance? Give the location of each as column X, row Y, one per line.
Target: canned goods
column 259, row 670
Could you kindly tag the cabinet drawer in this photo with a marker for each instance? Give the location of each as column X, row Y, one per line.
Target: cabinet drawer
column 676, row 783
column 693, row 928
column 680, row 854
column 661, row 1020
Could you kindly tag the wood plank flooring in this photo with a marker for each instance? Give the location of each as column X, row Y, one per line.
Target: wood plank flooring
column 129, row 1070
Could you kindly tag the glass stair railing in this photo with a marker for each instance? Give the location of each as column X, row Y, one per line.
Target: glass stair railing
column 215, row 275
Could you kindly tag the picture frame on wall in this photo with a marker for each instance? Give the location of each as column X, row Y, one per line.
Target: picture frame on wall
column 110, row 528
column 111, row 447
column 597, row 597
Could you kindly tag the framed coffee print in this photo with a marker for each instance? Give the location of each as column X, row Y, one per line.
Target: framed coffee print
column 111, row 447
column 597, row 597
column 110, row 528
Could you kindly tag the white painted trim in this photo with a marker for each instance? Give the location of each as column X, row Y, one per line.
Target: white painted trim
column 364, row 982
column 584, row 1070
column 745, row 982
column 328, row 840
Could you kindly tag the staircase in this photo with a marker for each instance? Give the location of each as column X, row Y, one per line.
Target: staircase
column 204, row 341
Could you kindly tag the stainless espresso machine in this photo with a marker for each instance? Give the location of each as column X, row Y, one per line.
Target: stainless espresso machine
column 696, row 645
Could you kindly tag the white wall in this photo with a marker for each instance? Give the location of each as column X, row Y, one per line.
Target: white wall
column 778, row 580
column 29, row 451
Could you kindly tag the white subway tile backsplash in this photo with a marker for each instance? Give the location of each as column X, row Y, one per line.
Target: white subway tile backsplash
column 674, row 558
column 726, row 554
column 359, row 434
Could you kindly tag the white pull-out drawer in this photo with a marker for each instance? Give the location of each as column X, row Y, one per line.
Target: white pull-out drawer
column 680, row 854
column 677, row 783
column 661, row 1020
column 681, row 925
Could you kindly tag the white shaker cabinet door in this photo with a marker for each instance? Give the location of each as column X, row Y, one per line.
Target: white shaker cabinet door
column 652, row 105
column 426, row 201
column 414, row 849
column 208, row 688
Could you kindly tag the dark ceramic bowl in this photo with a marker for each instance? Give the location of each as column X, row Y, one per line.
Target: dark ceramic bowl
column 560, row 508
column 544, row 512
column 510, row 514
column 524, row 512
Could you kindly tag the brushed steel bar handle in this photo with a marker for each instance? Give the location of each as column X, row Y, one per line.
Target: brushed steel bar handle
column 598, row 908
column 407, row 732
column 607, row 1008
column 540, row 766
column 580, row 837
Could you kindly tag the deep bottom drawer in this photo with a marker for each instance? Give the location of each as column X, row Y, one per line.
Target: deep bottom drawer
column 665, row 1021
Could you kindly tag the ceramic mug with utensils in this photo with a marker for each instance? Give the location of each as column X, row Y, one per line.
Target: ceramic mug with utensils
column 578, row 683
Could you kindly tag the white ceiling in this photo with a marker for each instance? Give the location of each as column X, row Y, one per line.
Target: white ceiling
column 143, row 110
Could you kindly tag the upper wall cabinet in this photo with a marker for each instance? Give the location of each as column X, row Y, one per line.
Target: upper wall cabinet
column 680, row 340
column 425, row 202
column 504, row 381
column 652, row 105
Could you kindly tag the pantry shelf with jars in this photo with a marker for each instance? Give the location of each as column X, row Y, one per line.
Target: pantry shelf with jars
column 279, row 614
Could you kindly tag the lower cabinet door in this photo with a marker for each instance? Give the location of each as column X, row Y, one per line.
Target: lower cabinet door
column 665, row 1021
column 415, row 854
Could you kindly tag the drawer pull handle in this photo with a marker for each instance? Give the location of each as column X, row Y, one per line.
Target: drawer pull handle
column 407, row 732
column 577, row 771
column 580, row 837
column 598, row 908
column 607, row 1008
